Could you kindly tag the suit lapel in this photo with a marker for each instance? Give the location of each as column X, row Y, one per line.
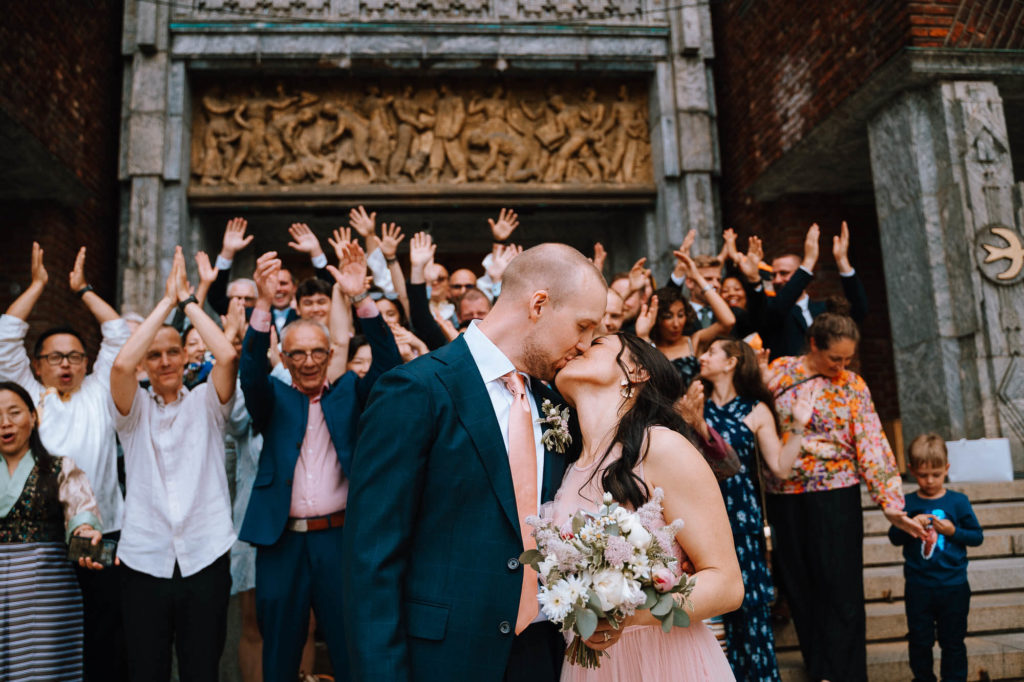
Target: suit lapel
column 461, row 378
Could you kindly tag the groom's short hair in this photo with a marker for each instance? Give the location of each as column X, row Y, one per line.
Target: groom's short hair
column 559, row 269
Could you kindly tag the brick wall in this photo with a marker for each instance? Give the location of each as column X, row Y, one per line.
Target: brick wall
column 60, row 80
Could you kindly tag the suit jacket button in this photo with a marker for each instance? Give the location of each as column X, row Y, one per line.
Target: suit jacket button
column 513, row 564
column 505, row 627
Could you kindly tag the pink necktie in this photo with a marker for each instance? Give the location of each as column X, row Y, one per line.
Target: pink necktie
column 522, row 459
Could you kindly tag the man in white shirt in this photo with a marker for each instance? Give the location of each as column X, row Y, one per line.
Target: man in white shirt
column 178, row 530
column 74, row 421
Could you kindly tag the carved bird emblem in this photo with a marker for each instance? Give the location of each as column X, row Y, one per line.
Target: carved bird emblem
column 1014, row 253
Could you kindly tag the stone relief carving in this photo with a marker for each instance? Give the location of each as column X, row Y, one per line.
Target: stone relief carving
column 399, row 133
column 600, row 11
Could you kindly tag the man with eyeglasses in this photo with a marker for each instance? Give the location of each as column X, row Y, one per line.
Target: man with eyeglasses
column 296, row 512
column 74, row 420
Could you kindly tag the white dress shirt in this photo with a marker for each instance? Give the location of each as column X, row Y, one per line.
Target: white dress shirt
column 81, row 426
column 177, row 506
column 493, row 364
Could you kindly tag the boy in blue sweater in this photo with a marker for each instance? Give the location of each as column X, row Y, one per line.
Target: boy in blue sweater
column 937, row 595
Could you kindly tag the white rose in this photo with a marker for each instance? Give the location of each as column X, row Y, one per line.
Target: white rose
column 612, row 589
column 636, row 533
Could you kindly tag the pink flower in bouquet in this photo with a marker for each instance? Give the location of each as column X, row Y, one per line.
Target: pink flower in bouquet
column 664, row 579
column 618, row 551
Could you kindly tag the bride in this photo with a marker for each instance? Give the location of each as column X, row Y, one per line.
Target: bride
column 623, row 391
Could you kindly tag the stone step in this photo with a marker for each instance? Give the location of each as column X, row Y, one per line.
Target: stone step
column 885, row 583
column 990, row 515
column 1001, row 542
column 1002, row 491
column 991, row 612
column 989, row 657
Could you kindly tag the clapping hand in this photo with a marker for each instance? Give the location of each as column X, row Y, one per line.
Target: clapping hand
column 234, row 321
column 265, row 276
column 691, row 408
column 841, row 249
column 39, row 276
column 506, row 224
column 729, row 245
column 684, row 248
column 182, row 287
column 76, row 280
column 647, row 318
column 234, row 238
column 351, row 271
column 390, row 237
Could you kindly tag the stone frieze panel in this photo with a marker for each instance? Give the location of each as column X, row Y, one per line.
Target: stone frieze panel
column 448, row 132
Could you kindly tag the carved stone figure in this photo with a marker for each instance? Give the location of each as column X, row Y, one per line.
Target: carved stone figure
column 359, row 129
column 451, row 116
column 575, row 122
column 252, row 145
column 407, row 110
column 616, row 133
column 382, row 129
column 215, row 156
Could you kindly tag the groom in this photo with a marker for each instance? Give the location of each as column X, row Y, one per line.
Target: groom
column 449, row 462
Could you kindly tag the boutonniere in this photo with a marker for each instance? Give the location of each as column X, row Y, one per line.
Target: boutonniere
column 556, row 422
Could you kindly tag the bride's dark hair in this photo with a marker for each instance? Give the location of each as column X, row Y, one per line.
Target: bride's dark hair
column 653, row 406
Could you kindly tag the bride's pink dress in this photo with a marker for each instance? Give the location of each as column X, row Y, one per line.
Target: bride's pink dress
column 643, row 653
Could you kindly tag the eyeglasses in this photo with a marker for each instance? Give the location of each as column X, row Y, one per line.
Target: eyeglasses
column 318, row 355
column 461, row 286
column 53, row 359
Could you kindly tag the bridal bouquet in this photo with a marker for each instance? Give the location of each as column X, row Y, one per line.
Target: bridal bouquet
column 608, row 565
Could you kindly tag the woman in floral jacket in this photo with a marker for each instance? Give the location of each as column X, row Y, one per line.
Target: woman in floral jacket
column 816, row 510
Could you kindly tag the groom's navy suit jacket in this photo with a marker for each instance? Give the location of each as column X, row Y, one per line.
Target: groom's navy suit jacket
column 432, row 539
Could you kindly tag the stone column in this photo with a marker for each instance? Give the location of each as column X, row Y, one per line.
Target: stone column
column 944, row 191
column 152, row 160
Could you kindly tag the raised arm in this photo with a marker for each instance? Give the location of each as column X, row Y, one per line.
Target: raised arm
column 255, row 371
column 304, row 241
column 234, row 240
column 724, row 317
column 365, row 225
column 99, row 308
column 692, row 494
column 340, row 327
column 123, row 381
column 390, row 237
column 22, row 306
column 225, row 367
column 777, row 456
column 421, row 252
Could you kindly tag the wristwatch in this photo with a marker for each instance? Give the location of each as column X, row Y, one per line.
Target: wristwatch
column 359, row 298
column 184, row 304
column 84, row 290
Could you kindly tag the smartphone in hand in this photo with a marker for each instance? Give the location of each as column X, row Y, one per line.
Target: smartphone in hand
column 102, row 553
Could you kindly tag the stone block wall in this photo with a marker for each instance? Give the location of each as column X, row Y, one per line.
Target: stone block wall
column 60, row 88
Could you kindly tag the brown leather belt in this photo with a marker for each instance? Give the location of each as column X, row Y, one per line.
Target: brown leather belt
column 335, row 520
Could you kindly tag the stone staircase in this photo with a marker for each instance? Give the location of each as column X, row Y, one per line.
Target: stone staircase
column 995, row 640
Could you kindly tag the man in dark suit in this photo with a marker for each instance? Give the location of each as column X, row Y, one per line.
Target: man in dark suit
column 790, row 312
column 297, row 510
column 434, row 586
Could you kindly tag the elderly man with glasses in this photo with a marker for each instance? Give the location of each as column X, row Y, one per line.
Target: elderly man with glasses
column 296, row 512
column 74, row 420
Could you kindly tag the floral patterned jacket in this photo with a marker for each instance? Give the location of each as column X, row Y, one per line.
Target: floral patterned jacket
column 844, row 442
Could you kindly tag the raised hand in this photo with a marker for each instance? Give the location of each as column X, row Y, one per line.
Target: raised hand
column 267, row 267
column 421, row 253
column 234, row 321
column 351, row 271
column 638, row 275
column 841, row 249
column 763, row 364
column 76, row 280
column 390, row 237
column 304, row 241
column 234, row 238
column 500, row 259
column 729, row 245
column 362, row 222
column 647, row 318
column 811, row 247
column 748, row 262
column 182, row 287
column 600, row 256
column 691, row 408
column 684, row 248
column 207, row 273
column 39, row 276
column 803, row 408
column 686, row 264
column 506, row 224
column 342, row 236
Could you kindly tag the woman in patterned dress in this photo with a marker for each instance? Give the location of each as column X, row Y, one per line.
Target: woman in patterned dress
column 741, row 409
column 44, row 500
column 816, row 509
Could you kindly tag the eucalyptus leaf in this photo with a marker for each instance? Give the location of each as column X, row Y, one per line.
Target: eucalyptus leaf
column 666, row 625
column 680, row 618
column 612, row 529
column 577, row 524
column 652, row 598
column 594, row 602
column 586, row 622
column 531, row 557
column 664, row 605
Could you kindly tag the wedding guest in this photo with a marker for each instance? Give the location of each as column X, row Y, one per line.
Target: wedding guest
column 459, row 282
column 742, row 410
column 360, row 356
column 614, row 312
column 428, row 327
column 472, row 305
column 674, row 313
column 178, row 531
column 791, row 312
column 710, row 269
column 44, row 501
column 74, row 419
column 296, row 511
column 816, row 509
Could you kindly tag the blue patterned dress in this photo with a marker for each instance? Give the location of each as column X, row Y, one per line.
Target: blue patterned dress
column 748, row 631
